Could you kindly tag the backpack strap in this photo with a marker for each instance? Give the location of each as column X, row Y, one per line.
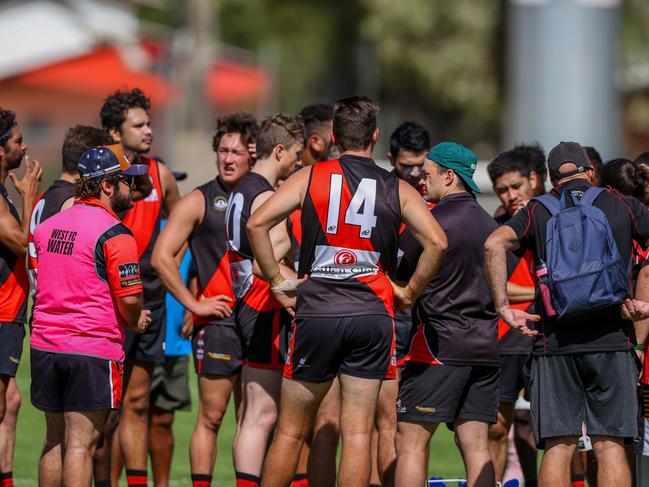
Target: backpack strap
column 550, row 203
column 590, row 195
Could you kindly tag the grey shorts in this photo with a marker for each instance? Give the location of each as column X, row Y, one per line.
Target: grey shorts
column 446, row 393
column 598, row 389
column 170, row 385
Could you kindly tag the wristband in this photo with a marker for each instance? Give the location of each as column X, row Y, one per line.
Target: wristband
column 639, row 346
column 287, row 285
column 273, row 281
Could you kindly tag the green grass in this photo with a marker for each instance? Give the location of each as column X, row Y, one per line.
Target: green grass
column 444, row 460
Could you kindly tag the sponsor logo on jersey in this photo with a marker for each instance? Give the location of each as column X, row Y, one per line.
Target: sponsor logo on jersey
column 129, row 274
column 220, row 203
column 341, row 263
column 219, row 356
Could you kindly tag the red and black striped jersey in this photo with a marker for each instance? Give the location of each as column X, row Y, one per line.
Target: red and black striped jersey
column 250, row 289
column 14, row 284
column 351, row 217
column 209, row 246
column 144, row 221
column 48, row 204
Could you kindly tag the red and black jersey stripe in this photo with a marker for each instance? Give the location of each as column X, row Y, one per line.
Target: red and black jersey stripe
column 350, row 223
column 14, row 284
column 209, row 247
column 144, row 221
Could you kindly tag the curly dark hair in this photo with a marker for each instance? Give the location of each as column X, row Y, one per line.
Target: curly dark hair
column 91, row 188
column 7, row 122
column 409, row 136
column 240, row 123
column 113, row 111
column 77, row 140
column 279, row 129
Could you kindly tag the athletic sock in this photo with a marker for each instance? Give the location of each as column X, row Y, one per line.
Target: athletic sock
column 102, row 483
column 136, row 478
column 201, row 480
column 531, row 483
column 7, row 479
column 300, row 480
column 247, row 480
column 578, row 481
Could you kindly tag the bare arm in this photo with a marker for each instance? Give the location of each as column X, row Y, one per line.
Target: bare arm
column 501, row 241
column 519, row 294
column 13, row 234
column 131, row 312
column 642, row 294
column 274, row 211
column 279, row 237
column 185, row 217
column 428, row 234
column 170, row 193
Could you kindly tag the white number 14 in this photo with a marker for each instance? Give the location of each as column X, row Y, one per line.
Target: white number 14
column 364, row 197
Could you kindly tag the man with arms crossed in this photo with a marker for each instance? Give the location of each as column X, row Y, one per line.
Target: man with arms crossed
column 14, row 284
column 259, row 317
column 88, row 288
column 581, row 371
column 351, row 214
column 125, row 116
column 452, row 371
column 199, row 218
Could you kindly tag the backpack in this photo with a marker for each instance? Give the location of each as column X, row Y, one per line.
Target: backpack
column 585, row 272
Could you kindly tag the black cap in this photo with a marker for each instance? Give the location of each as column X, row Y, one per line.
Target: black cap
column 567, row 152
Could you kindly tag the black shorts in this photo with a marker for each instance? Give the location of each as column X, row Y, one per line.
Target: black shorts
column 63, row 382
column 264, row 335
column 11, row 347
column 403, row 332
column 360, row 346
column 513, row 377
column 446, row 393
column 150, row 345
column 598, row 389
column 217, row 350
column 170, row 384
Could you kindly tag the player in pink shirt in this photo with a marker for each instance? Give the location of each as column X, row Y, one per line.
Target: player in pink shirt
column 88, row 288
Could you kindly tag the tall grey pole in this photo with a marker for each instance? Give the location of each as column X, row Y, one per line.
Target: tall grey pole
column 561, row 67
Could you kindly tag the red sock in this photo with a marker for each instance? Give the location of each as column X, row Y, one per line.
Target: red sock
column 7, row 479
column 247, row 480
column 300, row 480
column 136, row 478
column 578, row 481
column 201, row 480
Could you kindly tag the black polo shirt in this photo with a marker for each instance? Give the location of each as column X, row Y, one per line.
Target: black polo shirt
column 456, row 309
column 606, row 330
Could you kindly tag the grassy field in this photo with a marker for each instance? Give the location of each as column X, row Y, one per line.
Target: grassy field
column 444, row 459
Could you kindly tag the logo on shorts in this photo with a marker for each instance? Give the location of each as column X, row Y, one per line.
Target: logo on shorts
column 220, row 203
column 400, row 408
column 301, row 364
column 345, row 257
column 14, row 359
column 219, row 356
column 424, row 409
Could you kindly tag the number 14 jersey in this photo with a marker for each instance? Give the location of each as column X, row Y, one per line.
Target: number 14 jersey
column 350, row 221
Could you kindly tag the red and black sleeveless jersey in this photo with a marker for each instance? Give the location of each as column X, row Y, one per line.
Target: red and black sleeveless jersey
column 250, row 289
column 48, row 204
column 208, row 244
column 351, row 217
column 144, row 221
column 14, row 283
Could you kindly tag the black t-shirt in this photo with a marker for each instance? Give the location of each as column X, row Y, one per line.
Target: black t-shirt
column 606, row 330
column 456, row 309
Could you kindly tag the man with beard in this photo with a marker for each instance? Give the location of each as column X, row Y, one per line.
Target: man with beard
column 14, row 284
column 125, row 116
column 199, row 219
column 88, row 288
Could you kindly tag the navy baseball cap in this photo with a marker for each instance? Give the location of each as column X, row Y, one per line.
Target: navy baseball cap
column 103, row 161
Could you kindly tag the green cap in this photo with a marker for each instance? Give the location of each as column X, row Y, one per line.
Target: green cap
column 457, row 158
